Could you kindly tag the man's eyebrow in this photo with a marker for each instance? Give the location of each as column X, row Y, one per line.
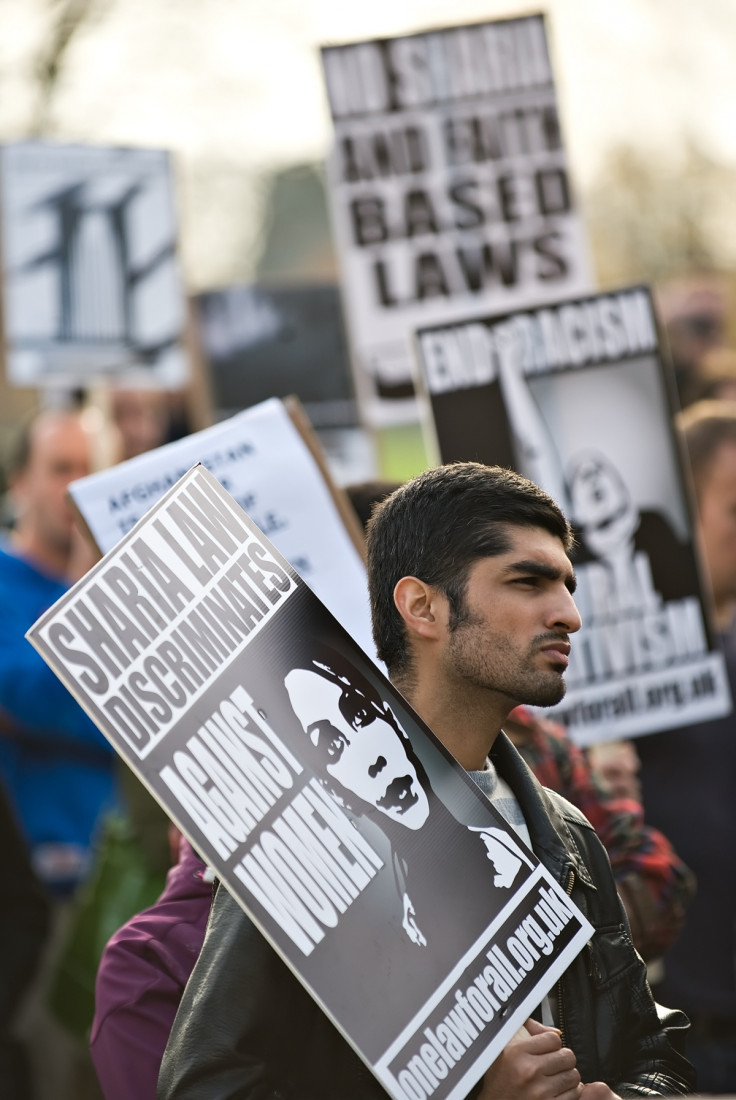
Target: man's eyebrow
column 549, row 572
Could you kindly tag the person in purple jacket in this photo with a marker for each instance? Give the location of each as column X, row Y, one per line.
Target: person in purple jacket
column 141, row 977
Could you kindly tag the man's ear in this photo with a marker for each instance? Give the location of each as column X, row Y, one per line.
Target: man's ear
column 423, row 607
column 17, row 488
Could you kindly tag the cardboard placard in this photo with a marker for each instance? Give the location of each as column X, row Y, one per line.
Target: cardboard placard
column 274, row 341
column 449, row 190
column 577, row 397
column 91, row 285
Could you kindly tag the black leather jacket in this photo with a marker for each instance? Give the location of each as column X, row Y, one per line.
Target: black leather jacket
column 247, row 1030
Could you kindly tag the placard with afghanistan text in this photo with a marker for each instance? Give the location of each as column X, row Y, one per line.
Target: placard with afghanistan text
column 449, row 188
column 577, row 397
column 410, row 910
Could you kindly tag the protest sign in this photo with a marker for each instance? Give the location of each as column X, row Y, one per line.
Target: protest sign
column 220, row 678
column 266, row 458
column 91, row 282
column 577, row 397
column 449, row 188
column 273, row 341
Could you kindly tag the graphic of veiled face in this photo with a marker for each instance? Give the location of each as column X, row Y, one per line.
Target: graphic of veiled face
column 357, row 746
column 598, row 495
column 602, row 506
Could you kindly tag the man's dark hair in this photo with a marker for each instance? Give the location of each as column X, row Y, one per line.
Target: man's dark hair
column 435, row 527
column 705, row 427
column 365, row 495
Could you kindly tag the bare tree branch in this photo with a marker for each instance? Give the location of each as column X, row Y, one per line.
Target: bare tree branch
column 66, row 17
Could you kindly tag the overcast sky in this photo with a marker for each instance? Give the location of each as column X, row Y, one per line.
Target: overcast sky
column 236, row 84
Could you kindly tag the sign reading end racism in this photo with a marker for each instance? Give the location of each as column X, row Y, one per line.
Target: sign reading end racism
column 220, row 678
column 576, row 397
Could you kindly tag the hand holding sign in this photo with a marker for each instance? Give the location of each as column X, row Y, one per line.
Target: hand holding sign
column 534, row 1063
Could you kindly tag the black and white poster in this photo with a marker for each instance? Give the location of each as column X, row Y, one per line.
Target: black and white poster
column 410, row 910
column 576, row 397
column 273, row 341
column 91, row 283
column 449, row 190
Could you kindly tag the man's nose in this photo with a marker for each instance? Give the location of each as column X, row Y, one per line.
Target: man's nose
column 566, row 614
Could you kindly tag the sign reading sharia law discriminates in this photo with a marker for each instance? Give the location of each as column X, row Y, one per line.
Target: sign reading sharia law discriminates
column 409, row 909
column 449, row 187
column 575, row 396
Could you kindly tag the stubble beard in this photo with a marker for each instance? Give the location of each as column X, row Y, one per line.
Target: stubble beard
column 505, row 671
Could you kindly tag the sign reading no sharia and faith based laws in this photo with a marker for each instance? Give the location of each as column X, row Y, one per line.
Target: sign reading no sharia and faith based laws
column 576, row 397
column 448, row 185
column 409, row 909
column 91, row 284
column 262, row 458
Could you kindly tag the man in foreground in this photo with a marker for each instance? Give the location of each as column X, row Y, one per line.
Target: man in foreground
column 471, row 592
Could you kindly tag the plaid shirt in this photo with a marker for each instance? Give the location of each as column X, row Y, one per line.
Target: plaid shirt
column 655, row 885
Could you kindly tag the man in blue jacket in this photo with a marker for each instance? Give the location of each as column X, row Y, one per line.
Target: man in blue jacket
column 56, row 767
column 55, row 764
